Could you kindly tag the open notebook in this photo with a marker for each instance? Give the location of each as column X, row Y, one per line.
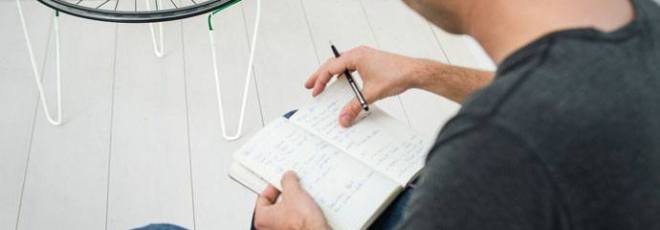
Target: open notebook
column 352, row 173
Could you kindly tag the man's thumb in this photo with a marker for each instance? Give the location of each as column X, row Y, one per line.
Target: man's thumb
column 290, row 182
column 352, row 109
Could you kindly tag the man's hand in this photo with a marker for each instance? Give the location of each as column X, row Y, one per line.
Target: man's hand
column 383, row 74
column 295, row 210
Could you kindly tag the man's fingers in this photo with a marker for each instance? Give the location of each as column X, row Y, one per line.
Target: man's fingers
column 262, row 202
column 290, row 183
column 329, row 69
column 264, row 216
column 349, row 113
column 324, row 74
column 263, row 213
column 353, row 108
column 268, row 197
column 311, row 80
column 321, row 80
column 271, row 193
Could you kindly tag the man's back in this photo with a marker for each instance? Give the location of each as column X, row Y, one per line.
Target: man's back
column 566, row 137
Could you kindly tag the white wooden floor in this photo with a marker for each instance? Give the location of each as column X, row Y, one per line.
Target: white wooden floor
column 141, row 142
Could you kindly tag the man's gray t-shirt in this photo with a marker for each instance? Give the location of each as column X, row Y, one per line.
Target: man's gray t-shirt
column 566, row 137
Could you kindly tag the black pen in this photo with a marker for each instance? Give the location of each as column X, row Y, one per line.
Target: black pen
column 354, row 86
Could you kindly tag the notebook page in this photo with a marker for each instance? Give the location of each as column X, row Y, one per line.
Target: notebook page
column 247, row 178
column 348, row 192
column 377, row 139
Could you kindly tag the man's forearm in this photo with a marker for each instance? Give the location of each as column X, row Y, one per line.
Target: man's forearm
column 452, row 82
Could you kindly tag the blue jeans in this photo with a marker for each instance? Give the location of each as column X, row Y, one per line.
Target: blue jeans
column 160, row 227
column 387, row 220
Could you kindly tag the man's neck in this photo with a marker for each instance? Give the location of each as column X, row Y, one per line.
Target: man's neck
column 504, row 26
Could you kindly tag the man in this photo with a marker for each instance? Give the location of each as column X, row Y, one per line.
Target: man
column 565, row 135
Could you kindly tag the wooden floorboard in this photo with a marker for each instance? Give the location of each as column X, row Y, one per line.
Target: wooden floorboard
column 150, row 179
column 220, row 203
column 68, row 163
column 285, row 56
column 18, row 98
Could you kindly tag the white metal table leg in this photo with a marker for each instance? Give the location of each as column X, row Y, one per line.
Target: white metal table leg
column 35, row 71
column 248, row 76
column 159, row 51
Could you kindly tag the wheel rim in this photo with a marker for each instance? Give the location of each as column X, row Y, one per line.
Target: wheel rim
column 135, row 11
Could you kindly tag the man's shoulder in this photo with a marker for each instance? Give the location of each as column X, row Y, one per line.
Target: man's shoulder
column 570, row 75
column 568, row 87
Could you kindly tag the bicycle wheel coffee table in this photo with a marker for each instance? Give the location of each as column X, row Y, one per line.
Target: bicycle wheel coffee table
column 137, row 11
column 140, row 11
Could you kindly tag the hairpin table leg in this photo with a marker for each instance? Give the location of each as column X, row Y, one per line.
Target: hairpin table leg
column 35, row 71
column 159, row 50
column 248, row 75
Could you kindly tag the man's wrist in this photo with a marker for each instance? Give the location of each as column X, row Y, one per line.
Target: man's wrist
column 418, row 74
column 452, row 82
column 422, row 73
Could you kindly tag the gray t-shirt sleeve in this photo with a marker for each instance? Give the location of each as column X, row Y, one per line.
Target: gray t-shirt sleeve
column 483, row 178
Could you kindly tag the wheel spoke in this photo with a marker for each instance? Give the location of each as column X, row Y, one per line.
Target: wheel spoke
column 99, row 6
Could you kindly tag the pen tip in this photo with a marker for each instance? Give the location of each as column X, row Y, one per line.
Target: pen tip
column 329, row 41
